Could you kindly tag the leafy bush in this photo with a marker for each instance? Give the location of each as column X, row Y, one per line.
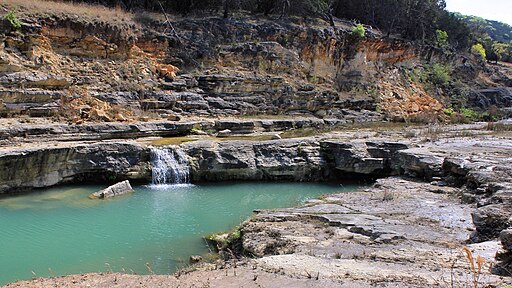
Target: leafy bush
column 470, row 114
column 440, row 74
column 13, row 19
column 479, row 50
column 359, row 31
column 441, row 39
column 449, row 112
column 503, row 51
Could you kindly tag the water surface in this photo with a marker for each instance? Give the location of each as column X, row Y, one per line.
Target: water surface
column 60, row 231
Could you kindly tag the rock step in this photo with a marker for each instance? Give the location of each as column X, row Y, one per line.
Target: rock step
column 94, row 131
column 15, row 96
column 33, row 102
column 34, row 80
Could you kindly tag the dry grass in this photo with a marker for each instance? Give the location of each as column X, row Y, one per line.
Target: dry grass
column 76, row 11
column 498, row 127
column 475, row 264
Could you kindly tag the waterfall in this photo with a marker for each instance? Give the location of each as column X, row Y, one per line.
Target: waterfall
column 169, row 166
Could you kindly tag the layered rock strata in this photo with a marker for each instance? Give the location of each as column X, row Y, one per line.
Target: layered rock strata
column 474, row 163
column 28, row 168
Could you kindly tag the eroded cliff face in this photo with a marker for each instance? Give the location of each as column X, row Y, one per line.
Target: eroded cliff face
column 26, row 169
column 85, row 71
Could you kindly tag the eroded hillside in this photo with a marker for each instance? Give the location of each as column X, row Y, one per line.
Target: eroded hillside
column 80, row 63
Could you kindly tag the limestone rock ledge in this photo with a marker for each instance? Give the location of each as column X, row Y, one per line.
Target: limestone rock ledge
column 27, row 168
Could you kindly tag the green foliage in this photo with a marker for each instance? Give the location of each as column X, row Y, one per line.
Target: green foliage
column 440, row 74
column 497, row 31
column 358, row 31
column 495, row 37
column 312, row 78
column 460, row 33
column 470, row 114
column 289, row 7
column 503, row 51
column 225, row 242
column 414, row 20
column 442, row 39
column 449, row 112
column 13, row 19
column 479, row 50
column 234, row 236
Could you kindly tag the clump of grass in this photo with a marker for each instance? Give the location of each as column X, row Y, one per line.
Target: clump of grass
column 388, row 196
column 432, row 133
column 498, row 127
column 13, row 19
column 224, row 240
column 358, row 31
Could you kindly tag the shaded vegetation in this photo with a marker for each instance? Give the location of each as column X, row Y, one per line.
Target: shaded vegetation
column 498, row 31
column 495, row 37
column 418, row 20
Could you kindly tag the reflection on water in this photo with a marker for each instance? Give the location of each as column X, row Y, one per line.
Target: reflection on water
column 62, row 229
column 53, row 198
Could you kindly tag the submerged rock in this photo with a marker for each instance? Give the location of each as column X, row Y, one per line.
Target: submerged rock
column 114, row 190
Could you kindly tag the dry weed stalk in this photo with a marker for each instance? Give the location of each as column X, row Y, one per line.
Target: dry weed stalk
column 475, row 264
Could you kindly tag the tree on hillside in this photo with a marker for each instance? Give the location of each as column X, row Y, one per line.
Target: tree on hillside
column 459, row 33
column 413, row 19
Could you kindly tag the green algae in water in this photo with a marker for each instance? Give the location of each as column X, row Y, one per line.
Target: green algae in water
column 62, row 231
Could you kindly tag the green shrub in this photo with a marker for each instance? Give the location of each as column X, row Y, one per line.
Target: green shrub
column 440, row 74
column 13, row 19
column 441, row 39
column 234, row 236
column 449, row 112
column 470, row 114
column 359, row 31
column 479, row 50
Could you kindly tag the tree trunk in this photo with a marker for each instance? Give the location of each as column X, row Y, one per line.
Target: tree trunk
column 226, row 9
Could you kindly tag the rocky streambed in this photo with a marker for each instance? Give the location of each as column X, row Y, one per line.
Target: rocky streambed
column 450, row 189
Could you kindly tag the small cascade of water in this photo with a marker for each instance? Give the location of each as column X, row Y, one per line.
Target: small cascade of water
column 169, row 166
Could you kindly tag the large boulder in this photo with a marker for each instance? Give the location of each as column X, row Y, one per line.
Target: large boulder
column 114, row 190
column 506, row 238
column 490, row 220
column 368, row 158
